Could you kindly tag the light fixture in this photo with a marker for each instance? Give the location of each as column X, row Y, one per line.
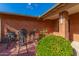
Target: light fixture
column 61, row 19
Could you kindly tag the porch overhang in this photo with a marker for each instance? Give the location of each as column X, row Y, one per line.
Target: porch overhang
column 54, row 13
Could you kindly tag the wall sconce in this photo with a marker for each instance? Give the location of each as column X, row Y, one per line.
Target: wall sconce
column 61, row 19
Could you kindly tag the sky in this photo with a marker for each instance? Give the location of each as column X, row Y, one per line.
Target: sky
column 30, row 9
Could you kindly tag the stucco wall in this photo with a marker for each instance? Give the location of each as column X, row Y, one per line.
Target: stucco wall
column 18, row 22
column 74, row 27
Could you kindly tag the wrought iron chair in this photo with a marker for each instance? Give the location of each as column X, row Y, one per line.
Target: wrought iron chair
column 22, row 35
column 9, row 37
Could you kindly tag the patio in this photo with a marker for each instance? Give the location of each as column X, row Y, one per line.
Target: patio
column 15, row 50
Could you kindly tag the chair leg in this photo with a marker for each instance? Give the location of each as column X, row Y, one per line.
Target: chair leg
column 19, row 49
column 26, row 48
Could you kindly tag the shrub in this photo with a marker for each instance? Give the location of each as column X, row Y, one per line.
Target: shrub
column 54, row 46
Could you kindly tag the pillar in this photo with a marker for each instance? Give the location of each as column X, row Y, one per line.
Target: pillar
column 63, row 24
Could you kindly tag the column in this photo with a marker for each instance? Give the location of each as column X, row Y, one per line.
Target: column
column 63, row 24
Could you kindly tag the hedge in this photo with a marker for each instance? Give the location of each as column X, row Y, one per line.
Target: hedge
column 54, row 46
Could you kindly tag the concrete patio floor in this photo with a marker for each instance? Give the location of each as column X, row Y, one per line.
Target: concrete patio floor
column 13, row 50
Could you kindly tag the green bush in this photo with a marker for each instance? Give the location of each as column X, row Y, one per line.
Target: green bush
column 54, row 46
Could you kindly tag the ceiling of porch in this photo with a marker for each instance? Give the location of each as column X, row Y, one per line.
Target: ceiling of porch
column 54, row 13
